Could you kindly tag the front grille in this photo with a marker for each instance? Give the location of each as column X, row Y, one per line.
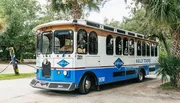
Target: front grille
column 58, row 85
column 46, row 70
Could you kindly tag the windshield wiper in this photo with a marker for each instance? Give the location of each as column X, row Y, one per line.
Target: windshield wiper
column 65, row 51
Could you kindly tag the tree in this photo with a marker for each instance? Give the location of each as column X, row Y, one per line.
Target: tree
column 165, row 13
column 138, row 23
column 20, row 17
column 76, row 7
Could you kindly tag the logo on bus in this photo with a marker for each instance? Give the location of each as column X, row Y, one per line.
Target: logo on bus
column 63, row 63
column 118, row 63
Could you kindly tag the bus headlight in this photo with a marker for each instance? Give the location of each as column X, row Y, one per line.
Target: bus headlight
column 65, row 73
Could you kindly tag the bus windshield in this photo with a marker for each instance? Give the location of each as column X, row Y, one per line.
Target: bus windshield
column 46, row 42
column 63, row 41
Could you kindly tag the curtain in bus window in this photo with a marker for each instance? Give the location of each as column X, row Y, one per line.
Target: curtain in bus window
column 148, row 49
column 125, row 46
column 131, row 46
column 109, row 45
column 143, row 49
column 82, row 42
column 156, row 50
column 139, row 48
column 152, row 50
column 118, row 46
column 93, row 43
column 47, row 43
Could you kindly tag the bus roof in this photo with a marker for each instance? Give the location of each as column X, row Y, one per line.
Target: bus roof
column 91, row 24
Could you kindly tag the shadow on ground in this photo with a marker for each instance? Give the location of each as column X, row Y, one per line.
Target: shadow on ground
column 105, row 87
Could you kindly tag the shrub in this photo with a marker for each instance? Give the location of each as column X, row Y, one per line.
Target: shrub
column 169, row 68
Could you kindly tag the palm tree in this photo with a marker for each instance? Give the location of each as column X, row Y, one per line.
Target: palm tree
column 166, row 13
column 76, row 7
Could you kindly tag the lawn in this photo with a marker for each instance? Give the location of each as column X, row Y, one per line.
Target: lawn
column 13, row 76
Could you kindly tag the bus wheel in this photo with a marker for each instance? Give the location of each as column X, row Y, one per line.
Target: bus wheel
column 141, row 76
column 85, row 85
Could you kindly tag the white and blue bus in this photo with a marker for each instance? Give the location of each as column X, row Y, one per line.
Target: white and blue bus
column 80, row 54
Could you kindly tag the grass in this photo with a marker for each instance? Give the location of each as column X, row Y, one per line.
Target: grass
column 168, row 86
column 13, row 76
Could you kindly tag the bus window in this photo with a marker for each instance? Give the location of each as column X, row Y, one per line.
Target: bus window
column 131, row 46
column 118, row 46
column 148, row 49
column 82, row 42
column 139, row 48
column 125, row 46
column 47, row 43
column 63, row 41
column 143, row 49
column 156, row 50
column 109, row 45
column 93, row 43
column 38, row 44
column 152, row 50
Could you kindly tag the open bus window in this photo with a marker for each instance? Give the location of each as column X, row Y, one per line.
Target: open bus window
column 148, row 49
column 118, row 46
column 93, row 43
column 109, row 45
column 38, row 44
column 131, row 46
column 139, row 48
column 156, row 50
column 152, row 50
column 63, row 41
column 143, row 49
column 125, row 46
column 47, row 42
column 82, row 42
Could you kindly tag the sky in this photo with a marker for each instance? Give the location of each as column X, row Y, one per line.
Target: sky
column 113, row 9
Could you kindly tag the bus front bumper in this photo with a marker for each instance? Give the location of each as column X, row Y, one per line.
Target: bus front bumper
column 60, row 86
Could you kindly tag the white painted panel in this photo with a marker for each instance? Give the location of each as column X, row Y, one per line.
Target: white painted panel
column 92, row 61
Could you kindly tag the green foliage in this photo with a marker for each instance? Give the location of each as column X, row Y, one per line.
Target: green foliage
column 20, row 17
column 169, row 67
column 76, row 7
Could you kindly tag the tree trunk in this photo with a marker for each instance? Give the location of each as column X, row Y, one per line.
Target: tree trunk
column 176, row 52
column 164, row 40
column 176, row 44
column 76, row 10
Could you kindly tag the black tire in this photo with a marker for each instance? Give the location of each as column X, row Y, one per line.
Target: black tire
column 141, row 76
column 85, row 85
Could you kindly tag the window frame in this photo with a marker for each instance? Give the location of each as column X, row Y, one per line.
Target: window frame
column 117, row 52
column 72, row 42
column 86, row 44
column 125, row 46
column 41, row 49
column 109, row 47
column 95, row 42
column 130, row 47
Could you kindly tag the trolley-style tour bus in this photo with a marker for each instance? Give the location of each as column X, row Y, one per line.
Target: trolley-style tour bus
column 80, row 54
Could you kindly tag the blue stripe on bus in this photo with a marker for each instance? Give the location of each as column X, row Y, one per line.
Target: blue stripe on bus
column 104, row 75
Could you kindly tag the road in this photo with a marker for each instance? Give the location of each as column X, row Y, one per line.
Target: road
column 19, row 91
column 23, row 68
